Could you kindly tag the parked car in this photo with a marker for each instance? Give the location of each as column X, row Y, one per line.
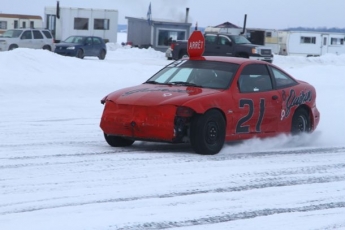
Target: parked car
column 208, row 100
column 27, row 38
column 82, row 46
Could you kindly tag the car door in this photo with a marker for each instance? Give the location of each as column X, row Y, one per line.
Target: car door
column 257, row 105
column 97, row 46
column 210, row 44
column 88, row 47
column 224, row 46
column 26, row 39
column 38, row 39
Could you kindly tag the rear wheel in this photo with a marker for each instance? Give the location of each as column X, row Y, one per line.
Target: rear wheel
column 300, row 122
column 101, row 55
column 116, row 141
column 207, row 132
column 182, row 53
column 46, row 47
column 80, row 54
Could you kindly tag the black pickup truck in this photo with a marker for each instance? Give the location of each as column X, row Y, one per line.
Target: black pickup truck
column 223, row 45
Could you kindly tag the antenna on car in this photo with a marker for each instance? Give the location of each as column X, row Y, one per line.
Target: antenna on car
column 196, row 26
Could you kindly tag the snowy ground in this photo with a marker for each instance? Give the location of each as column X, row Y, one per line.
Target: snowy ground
column 57, row 172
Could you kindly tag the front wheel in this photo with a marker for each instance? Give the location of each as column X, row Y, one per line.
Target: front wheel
column 12, row 47
column 243, row 55
column 101, row 55
column 116, row 141
column 207, row 132
column 80, row 54
column 300, row 122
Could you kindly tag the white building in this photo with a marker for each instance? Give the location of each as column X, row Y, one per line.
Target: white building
column 67, row 21
column 15, row 21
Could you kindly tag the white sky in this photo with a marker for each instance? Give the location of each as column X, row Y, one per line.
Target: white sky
column 57, row 172
column 273, row 14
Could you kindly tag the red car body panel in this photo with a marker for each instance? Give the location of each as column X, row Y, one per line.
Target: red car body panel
column 149, row 111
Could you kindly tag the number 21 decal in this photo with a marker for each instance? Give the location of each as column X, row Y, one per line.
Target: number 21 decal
column 240, row 128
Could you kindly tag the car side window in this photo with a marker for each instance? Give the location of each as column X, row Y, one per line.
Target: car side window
column 223, row 40
column 282, row 79
column 37, row 34
column 47, row 34
column 89, row 41
column 210, row 39
column 255, row 78
column 96, row 41
column 26, row 35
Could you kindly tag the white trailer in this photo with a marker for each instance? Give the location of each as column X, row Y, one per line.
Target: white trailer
column 310, row 43
column 272, row 40
column 67, row 21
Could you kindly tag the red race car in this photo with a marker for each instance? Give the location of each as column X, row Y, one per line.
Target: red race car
column 206, row 100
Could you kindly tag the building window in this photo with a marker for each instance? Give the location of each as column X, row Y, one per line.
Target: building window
column 3, row 25
column 337, row 41
column 101, row 24
column 268, row 34
column 308, row 40
column 32, row 24
column 81, row 23
column 24, row 25
column 166, row 36
column 15, row 24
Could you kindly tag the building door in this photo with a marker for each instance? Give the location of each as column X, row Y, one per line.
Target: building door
column 324, row 43
column 51, row 24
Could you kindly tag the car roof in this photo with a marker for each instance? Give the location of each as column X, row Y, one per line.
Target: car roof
column 85, row 36
column 235, row 60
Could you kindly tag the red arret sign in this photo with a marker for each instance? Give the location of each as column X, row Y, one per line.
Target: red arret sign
column 196, row 44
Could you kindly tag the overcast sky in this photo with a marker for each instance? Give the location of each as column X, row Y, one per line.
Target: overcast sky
column 273, row 14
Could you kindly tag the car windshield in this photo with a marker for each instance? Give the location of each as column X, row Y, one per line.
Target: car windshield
column 75, row 39
column 240, row 39
column 12, row 33
column 205, row 74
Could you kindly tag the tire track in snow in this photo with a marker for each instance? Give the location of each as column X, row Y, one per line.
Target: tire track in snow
column 229, row 217
column 278, row 183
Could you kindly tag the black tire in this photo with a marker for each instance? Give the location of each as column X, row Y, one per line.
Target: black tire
column 207, row 132
column 300, row 122
column 80, row 54
column 116, row 141
column 12, row 47
column 182, row 53
column 101, row 55
column 243, row 55
column 46, row 47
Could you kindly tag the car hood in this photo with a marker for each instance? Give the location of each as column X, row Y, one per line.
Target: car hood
column 151, row 95
column 248, row 45
column 6, row 39
column 66, row 44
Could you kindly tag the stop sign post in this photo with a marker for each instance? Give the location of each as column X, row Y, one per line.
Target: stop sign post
column 196, row 44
